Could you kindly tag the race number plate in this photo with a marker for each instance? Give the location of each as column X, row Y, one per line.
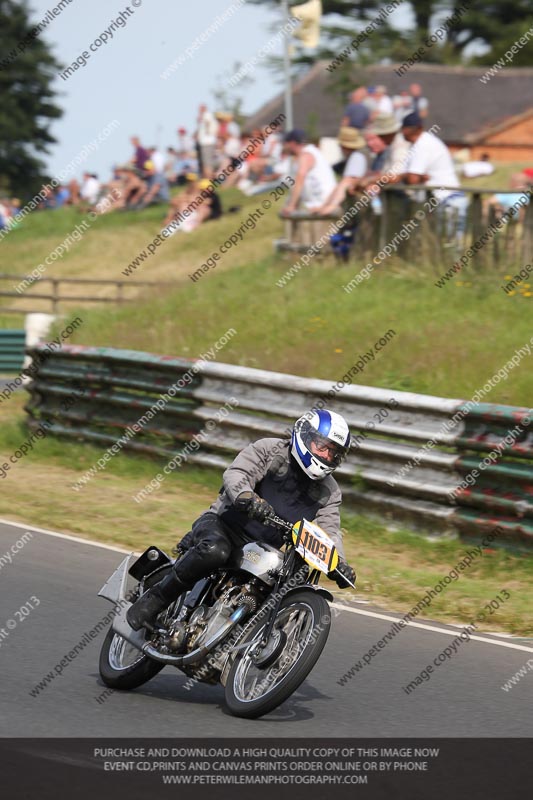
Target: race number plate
column 315, row 546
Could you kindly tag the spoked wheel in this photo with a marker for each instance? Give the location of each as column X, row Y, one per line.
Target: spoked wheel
column 261, row 678
column 121, row 665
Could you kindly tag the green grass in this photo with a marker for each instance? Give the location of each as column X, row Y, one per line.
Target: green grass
column 448, row 340
column 395, row 568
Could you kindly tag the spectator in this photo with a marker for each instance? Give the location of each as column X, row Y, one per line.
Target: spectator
column 382, row 102
column 157, row 158
column 385, row 139
column 185, row 143
column 475, row 169
column 210, row 207
column 140, row 155
column 402, row 104
column 352, row 144
column 314, row 180
column 157, row 190
column 206, row 139
column 356, row 114
column 419, row 104
column 429, row 162
column 90, row 188
column 502, row 203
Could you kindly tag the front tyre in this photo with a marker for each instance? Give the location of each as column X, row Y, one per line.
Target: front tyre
column 261, row 679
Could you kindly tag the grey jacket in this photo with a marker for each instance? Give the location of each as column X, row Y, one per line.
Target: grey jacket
column 267, row 468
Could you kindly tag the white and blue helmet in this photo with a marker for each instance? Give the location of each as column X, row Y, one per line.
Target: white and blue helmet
column 326, row 429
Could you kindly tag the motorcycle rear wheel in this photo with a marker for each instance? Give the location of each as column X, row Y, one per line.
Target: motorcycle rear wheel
column 260, row 680
column 121, row 665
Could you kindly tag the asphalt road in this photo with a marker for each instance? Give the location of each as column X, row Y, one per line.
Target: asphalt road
column 463, row 698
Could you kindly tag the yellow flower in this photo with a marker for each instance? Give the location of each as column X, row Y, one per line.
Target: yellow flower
column 511, row 293
column 507, row 277
column 458, row 283
column 528, row 294
column 338, row 350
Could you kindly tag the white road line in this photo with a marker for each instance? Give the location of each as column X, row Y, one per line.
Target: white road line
column 63, row 536
column 374, row 614
column 424, row 627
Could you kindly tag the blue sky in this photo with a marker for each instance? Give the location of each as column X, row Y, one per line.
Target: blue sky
column 122, row 79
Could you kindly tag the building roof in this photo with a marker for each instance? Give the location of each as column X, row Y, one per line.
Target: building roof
column 465, row 109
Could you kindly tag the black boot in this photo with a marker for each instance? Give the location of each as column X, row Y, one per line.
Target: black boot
column 145, row 610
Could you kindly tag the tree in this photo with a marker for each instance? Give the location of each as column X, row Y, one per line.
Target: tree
column 27, row 71
column 482, row 32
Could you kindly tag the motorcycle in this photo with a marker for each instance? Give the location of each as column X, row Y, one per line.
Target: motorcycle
column 257, row 625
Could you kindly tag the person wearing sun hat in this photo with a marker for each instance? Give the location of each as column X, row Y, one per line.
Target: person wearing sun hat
column 353, row 145
column 384, row 138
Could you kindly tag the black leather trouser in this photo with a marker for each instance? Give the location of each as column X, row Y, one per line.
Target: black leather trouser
column 209, row 547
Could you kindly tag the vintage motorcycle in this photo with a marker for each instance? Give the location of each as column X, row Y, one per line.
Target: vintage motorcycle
column 257, row 625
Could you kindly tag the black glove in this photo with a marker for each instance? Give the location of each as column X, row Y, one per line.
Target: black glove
column 255, row 506
column 345, row 571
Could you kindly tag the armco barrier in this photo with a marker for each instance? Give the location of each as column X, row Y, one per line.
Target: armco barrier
column 386, row 471
column 12, row 344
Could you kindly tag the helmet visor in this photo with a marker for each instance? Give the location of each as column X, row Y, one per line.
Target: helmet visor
column 325, row 450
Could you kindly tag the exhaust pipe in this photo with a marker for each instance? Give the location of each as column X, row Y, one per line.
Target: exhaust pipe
column 198, row 654
column 137, row 639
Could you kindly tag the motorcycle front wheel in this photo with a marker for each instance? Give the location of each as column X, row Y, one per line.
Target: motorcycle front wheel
column 260, row 679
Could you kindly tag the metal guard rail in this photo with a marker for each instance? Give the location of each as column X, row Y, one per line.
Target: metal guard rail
column 380, row 475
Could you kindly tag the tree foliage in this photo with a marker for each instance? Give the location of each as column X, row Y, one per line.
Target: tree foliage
column 482, row 32
column 27, row 109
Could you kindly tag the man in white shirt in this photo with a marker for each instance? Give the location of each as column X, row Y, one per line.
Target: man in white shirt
column 314, row 180
column 206, row 137
column 429, row 162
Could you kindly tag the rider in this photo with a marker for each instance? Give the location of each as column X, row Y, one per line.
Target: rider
column 288, row 477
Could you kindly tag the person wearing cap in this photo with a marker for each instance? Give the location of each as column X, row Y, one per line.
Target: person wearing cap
column 353, row 144
column 429, row 162
column 314, row 181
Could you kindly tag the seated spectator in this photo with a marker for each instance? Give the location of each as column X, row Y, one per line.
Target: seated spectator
column 157, row 190
column 501, row 203
column 129, row 187
column 186, row 219
column 352, row 143
column 314, row 179
column 356, row 114
column 90, row 188
column 475, row 169
column 62, row 196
